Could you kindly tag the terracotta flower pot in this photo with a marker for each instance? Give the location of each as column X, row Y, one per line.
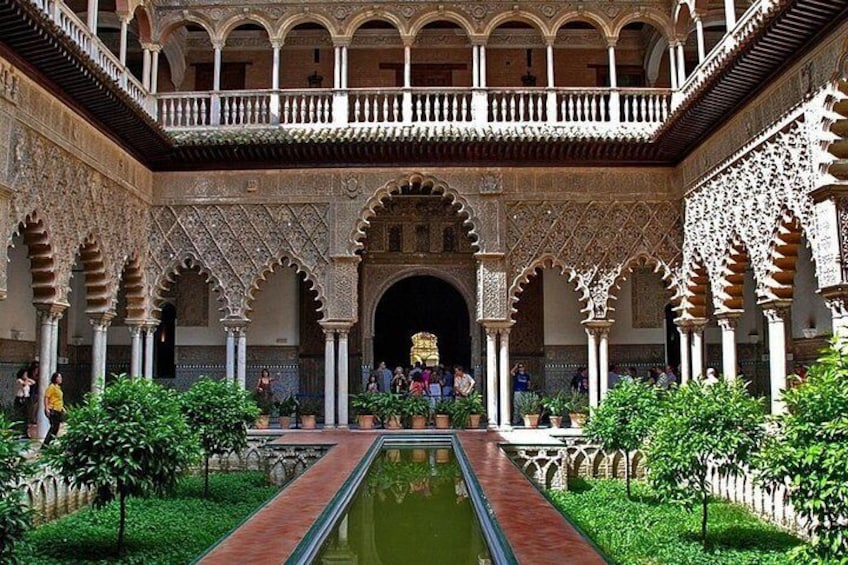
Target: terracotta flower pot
column 418, row 422
column 419, row 455
column 531, row 420
column 285, row 422
column 442, row 455
column 442, row 421
column 473, row 421
column 577, row 420
column 394, row 423
column 366, row 421
column 307, row 421
column 262, row 422
column 556, row 421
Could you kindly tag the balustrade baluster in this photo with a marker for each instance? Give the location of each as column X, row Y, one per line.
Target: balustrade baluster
column 304, row 100
column 427, row 103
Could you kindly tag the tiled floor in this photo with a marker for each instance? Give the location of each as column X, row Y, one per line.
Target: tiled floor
column 536, row 531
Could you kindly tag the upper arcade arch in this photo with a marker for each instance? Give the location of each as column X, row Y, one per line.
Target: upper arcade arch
column 365, row 16
column 285, row 27
column 522, row 16
column 588, row 17
column 417, row 24
column 164, row 28
column 396, row 186
column 657, row 19
column 224, row 30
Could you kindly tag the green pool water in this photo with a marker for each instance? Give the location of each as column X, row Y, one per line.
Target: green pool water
column 412, row 507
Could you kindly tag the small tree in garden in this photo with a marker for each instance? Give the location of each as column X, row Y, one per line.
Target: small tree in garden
column 220, row 413
column 624, row 419
column 14, row 515
column 700, row 425
column 131, row 440
column 808, row 451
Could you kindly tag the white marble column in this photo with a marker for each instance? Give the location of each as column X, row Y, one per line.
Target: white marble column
column 343, row 379
column 482, row 66
column 549, row 61
column 698, row 349
column 54, row 340
column 681, row 65
column 728, row 323
column 729, row 14
column 241, row 358
column 503, row 373
column 475, row 66
column 329, row 378
column 135, row 351
column 337, row 67
column 407, row 66
column 100, row 324
column 613, row 75
column 217, row 46
column 145, row 66
column 154, row 68
column 231, row 355
column 776, row 314
column 491, row 376
column 685, row 350
column 122, row 50
column 672, row 64
column 699, row 31
column 48, row 318
column 592, row 344
column 344, row 71
column 275, row 63
column 149, row 332
column 603, row 361
column 91, row 16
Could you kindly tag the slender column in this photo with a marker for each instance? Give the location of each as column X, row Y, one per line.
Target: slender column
column 475, row 66
column 145, row 67
column 729, row 14
column 592, row 344
column 776, row 314
column 344, row 72
column 329, row 378
column 685, row 349
column 406, row 98
column 122, row 51
column 550, row 95
column 149, row 331
column 337, row 67
column 483, row 66
column 54, row 338
column 216, row 76
column 549, row 60
column 241, row 358
column 135, row 351
column 491, row 376
column 49, row 315
column 275, row 65
column 505, row 392
column 100, row 324
column 603, row 361
column 672, row 64
column 407, row 66
column 698, row 349
column 231, row 355
column 727, row 323
column 681, row 65
column 343, row 379
column 699, row 32
column 91, row 16
column 154, row 69
column 613, row 75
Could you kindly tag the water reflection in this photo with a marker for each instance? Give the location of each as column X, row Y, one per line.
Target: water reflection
column 413, row 507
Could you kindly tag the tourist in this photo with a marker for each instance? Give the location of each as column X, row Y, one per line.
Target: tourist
column 23, row 400
column 463, row 383
column 373, row 386
column 520, row 385
column 662, row 378
column 416, row 387
column 434, row 390
column 384, row 376
column 672, row 376
column 447, row 382
column 613, row 376
column 54, row 407
column 577, row 380
column 263, row 391
column 710, row 378
column 398, row 385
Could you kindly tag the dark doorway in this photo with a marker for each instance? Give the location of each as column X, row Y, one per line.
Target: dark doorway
column 672, row 340
column 165, row 339
column 422, row 304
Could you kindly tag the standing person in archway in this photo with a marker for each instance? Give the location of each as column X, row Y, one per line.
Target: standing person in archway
column 520, row 385
column 384, row 377
column 463, row 383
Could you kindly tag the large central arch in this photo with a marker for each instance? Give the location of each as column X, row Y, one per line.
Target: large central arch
column 422, row 301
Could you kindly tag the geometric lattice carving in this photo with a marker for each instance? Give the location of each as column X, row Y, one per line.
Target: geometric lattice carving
column 649, row 298
column 237, row 245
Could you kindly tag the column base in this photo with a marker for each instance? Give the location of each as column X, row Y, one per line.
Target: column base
column 507, row 428
column 343, row 427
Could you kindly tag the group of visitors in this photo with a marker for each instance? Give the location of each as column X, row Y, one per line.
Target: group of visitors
column 26, row 402
column 661, row 376
column 421, row 380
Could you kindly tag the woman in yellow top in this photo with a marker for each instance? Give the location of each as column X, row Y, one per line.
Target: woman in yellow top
column 54, row 406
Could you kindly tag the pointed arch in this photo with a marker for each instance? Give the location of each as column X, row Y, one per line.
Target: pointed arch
column 98, row 298
column 41, row 256
column 550, row 261
column 783, row 248
column 285, row 261
column 132, row 278
column 163, row 281
column 693, row 301
column 405, row 183
column 643, row 259
column 731, row 284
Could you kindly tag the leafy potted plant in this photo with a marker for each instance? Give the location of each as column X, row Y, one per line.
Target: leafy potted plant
column 363, row 404
column 468, row 411
column 529, row 406
column 285, row 409
column 417, row 408
column 310, row 407
column 442, row 412
column 389, row 408
column 265, row 404
column 578, row 409
column 556, row 406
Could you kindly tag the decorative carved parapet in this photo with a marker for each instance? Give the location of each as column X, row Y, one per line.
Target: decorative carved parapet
column 9, row 83
column 238, row 245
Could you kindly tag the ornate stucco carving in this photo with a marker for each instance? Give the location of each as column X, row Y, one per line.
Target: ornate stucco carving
column 237, row 246
column 78, row 205
column 747, row 201
column 594, row 241
column 492, row 302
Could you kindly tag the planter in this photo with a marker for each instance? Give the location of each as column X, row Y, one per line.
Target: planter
column 473, row 422
column 556, row 421
column 577, row 420
column 810, row 333
column 262, row 422
column 419, row 455
column 366, row 421
column 393, row 455
column 442, row 455
column 307, row 421
column 393, row 423
column 531, row 420
column 442, row 421
column 285, row 422
column 418, row 422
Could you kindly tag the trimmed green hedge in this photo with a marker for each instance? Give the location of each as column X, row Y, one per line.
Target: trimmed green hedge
column 173, row 529
column 645, row 531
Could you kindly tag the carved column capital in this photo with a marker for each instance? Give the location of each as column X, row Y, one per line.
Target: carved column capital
column 101, row 320
column 598, row 328
column 728, row 320
column 51, row 310
column 776, row 310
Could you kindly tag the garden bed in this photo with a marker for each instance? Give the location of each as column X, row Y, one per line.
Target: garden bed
column 176, row 528
column 645, row 531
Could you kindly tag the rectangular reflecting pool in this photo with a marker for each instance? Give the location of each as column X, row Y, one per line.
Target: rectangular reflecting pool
column 410, row 503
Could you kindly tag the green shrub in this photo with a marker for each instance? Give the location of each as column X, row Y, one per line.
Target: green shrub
column 808, row 450
column 465, row 407
column 132, row 440
column 14, row 515
column 624, row 419
column 699, row 425
column 528, row 403
column 220, row 413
